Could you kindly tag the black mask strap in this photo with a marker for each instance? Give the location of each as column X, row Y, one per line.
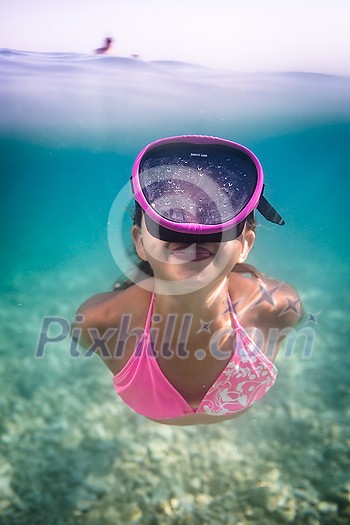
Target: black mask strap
column 269, row 212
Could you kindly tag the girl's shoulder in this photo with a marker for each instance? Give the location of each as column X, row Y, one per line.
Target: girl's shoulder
column 105, row 310
column 265, row 300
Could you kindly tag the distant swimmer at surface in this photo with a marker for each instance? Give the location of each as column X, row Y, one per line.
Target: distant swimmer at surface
column 106, row 49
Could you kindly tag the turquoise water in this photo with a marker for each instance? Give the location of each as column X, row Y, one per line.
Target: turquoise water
column 70, row 127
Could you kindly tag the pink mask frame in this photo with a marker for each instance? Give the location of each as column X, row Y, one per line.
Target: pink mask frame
column 256, row 200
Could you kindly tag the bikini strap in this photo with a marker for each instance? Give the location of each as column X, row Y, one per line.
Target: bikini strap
column 236, row 323
column 149, row 315
column 239, row 328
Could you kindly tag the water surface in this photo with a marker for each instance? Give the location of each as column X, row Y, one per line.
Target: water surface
column 70, row 127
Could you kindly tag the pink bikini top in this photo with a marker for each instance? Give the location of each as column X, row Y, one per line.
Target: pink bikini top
column 143, row 387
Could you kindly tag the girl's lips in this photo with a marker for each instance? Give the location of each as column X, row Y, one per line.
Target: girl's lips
column 190, row 252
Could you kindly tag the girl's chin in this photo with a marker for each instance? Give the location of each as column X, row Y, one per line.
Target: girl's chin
column 188, row 280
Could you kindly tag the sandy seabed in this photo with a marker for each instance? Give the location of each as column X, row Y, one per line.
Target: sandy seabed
column 72, row 453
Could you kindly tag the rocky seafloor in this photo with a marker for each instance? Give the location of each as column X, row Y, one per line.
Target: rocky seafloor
column 72, row 453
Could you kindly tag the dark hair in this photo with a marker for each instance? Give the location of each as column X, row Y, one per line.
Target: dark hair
column 143, row 267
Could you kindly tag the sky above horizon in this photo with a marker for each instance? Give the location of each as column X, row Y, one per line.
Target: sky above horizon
column 239, row 35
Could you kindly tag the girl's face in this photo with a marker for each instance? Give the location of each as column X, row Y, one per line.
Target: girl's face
column 195, row 265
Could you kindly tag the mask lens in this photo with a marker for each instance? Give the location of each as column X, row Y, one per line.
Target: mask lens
column 207, row 185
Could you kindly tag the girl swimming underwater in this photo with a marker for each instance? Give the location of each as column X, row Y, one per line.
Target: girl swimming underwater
column 189, row 342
